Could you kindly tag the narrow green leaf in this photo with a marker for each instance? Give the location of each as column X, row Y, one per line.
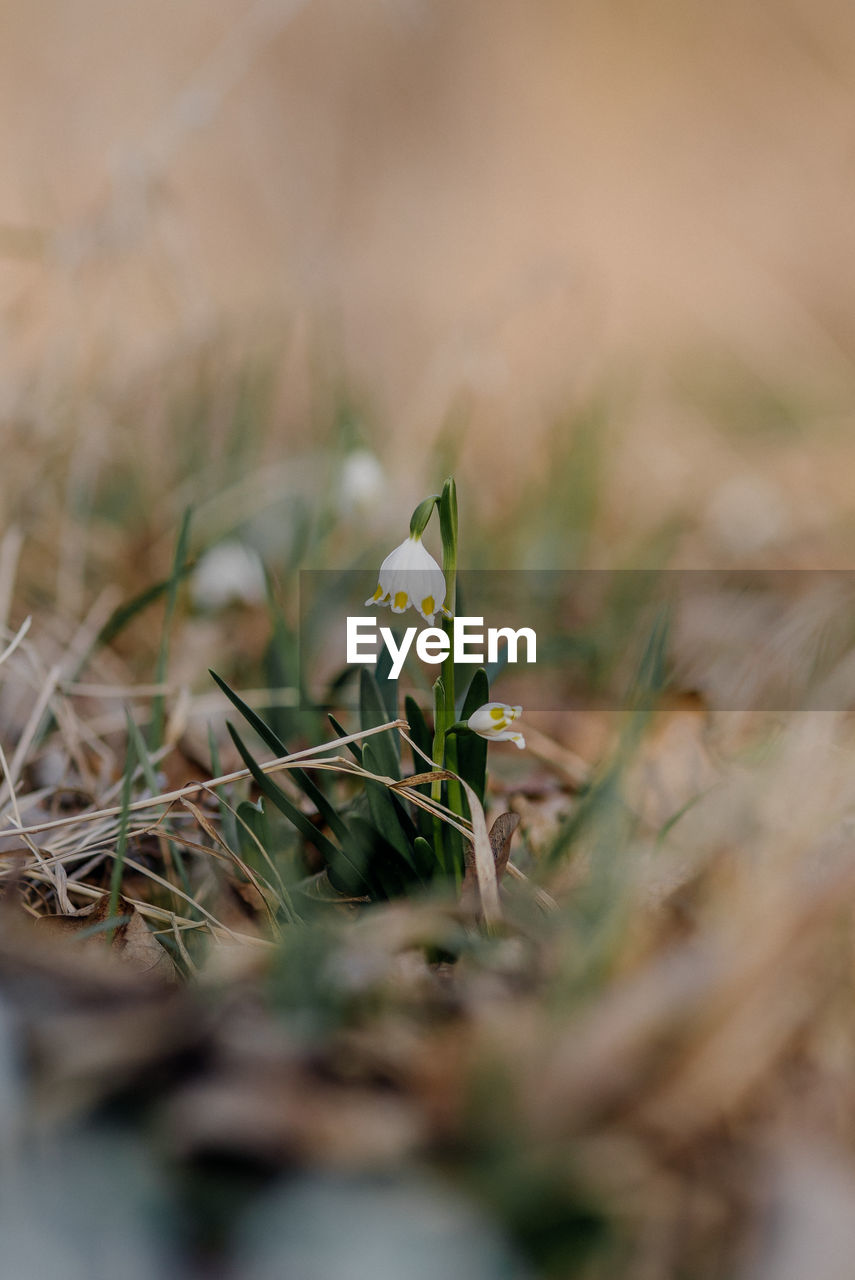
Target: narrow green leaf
column 439, row 725
column 306, row 784
column 371, row 713
column 652, row 672
column 227, row 818
column 425, row 858
column 253, row 719
column 492, row 670
column 353, row 747
column 472, row 750
column 383, row 870
column 423, row 738
column 477, row 693
column 282, row 667
column 419, row 731
column 282, row 801
column 125, row 613
column 254, row 817
column 354, row 870
column 386, row 811
column 142, row 754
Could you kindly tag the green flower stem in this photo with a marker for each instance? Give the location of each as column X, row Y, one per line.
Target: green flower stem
column 445, row 748
column 439, row 760
column 421, row 515
column 455, row 801
column 418, row 524
column 455, row 791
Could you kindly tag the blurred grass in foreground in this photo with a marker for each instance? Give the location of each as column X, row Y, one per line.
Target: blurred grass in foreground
column 647, row 1071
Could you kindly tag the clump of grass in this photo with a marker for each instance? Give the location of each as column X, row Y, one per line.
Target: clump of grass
column 642, row 1068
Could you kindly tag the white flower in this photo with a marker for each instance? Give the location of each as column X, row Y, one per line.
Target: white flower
column 493, row 721
column 230, row 573
column 411, row 576
column 361, row 483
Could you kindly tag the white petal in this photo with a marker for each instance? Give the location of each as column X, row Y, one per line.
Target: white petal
column 378, row 598
column 492, row 717
column 492, row 721
column 410, row 576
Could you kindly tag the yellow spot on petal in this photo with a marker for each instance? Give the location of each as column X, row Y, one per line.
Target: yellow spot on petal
column 400, row 601
column 497, row 713
column 377, row 594
column 428, row 605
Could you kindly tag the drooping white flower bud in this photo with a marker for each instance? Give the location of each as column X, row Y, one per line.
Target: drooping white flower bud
column 493, row 721
column 410, row 576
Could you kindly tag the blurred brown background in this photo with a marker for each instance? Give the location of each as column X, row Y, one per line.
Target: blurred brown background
column 492, row 208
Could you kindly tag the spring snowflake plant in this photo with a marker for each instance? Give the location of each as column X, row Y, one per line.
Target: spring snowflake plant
column 403, row 831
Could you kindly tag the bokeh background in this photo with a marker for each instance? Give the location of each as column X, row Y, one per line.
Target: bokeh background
column 480, row 219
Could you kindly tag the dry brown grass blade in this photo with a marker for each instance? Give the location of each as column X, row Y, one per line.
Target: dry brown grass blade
column 295, row 759
column 485, row 867
column 10, row 551
column 420, row 779
column 501, row 834
column 16, row 640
